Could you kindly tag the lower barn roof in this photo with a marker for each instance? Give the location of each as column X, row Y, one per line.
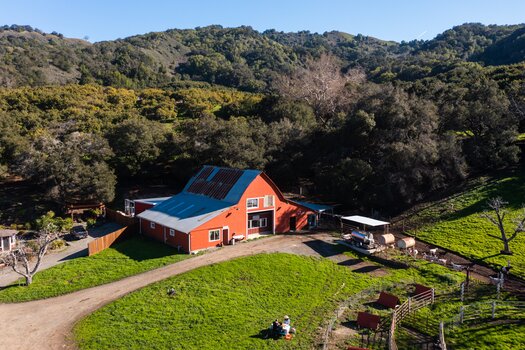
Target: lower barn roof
column 153, row 201
column 314, row 206
column 185, row 212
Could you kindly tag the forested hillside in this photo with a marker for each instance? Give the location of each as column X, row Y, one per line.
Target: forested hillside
column 364, row 122
column 239, row 57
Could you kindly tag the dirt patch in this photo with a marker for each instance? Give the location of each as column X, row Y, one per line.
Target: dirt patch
column 341, row 334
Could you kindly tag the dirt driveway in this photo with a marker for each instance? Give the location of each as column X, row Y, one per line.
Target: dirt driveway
column 47, row 324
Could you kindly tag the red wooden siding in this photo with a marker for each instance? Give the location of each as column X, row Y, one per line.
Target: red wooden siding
column 162, row 234
column 236, row 218
column 141, row 206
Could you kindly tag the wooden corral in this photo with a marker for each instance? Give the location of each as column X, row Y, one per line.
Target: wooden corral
column 388, row 300
column 368, row 320
column 421, row 289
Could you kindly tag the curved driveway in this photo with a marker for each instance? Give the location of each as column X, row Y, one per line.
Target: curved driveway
column 47, row 324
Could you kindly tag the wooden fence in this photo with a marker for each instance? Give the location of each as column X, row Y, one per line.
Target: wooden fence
column 119, row 217
column 411, row 305
column 106, row 241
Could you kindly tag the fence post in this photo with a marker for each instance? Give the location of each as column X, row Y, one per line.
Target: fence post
column 433, row 295
column 493, row 309
column 442, row 344
column 461, row 313
column 462, row 291
column 409, row 304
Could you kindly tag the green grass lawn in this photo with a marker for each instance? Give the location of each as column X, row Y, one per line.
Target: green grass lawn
column 129, row 257
column 426, row 320
column 489, row 336
column 225, row 306
column 507, row 331
column 456, row 224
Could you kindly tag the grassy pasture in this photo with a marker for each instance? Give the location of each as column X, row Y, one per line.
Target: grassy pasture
column 123, row 259
column 227, row 306
column 455, row 222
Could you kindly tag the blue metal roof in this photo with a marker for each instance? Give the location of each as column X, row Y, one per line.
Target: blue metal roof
column 314, row 206
column 153, row 201
column 187, row 211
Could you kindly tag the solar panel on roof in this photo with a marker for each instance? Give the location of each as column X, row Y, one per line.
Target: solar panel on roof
column 218, row 186
column 205, row 172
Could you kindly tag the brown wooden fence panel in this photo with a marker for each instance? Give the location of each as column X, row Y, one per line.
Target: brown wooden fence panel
column 106, row 241
column 119, row 217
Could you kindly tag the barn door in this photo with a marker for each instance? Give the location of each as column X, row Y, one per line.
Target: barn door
column 293, row 223
column 225, row 235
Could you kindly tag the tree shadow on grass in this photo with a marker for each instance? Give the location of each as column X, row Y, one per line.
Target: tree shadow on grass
column 17, row 283
column 482, row 260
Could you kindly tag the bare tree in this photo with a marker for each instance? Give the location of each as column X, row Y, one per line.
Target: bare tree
column 497, row 205
column 25, row 260
column 321, row 85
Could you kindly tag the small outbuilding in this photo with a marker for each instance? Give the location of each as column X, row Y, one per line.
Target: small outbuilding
column 7, row 240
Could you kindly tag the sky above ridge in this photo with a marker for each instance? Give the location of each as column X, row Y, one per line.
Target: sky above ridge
column 389, row 20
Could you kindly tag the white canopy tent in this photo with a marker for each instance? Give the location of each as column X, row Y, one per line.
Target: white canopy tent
column 363, row 220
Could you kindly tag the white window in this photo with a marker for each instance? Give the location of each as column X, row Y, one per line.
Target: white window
column 152, row 225
column 172, row 232
column 268, row 200
column 252, row 203
column 253, row 223
column 215, row 235
column 263, row 222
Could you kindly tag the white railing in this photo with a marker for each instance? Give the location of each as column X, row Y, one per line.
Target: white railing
column 489, row 309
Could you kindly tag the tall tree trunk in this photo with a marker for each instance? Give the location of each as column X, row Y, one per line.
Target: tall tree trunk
column 506, row 248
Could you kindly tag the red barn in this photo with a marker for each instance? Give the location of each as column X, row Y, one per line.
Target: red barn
column 221, row 205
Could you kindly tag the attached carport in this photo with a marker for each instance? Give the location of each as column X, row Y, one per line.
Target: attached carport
column 319, row 209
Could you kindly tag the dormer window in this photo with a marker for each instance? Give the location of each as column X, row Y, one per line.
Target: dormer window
column 268, row 200
column 252, row 203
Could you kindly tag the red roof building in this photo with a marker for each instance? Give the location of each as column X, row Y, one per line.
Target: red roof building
column 219, row 206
